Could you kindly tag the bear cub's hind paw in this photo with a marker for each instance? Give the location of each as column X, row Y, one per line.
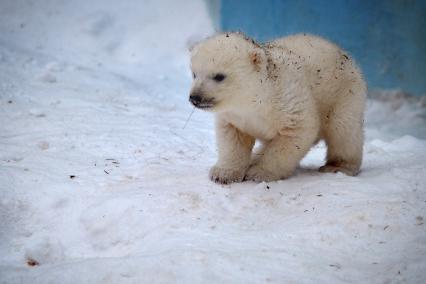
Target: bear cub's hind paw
column 348, row 170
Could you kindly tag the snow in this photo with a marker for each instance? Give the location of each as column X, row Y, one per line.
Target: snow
column 100, row 183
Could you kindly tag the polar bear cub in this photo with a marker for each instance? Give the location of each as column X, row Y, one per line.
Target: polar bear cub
column 288, row 94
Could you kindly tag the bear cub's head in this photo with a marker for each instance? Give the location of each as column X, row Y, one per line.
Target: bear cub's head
column 225, row 68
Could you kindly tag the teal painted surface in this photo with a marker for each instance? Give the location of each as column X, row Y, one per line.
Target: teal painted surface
column 387, row 38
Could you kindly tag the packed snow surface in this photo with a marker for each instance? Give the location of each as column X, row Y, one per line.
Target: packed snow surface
column 100, row 182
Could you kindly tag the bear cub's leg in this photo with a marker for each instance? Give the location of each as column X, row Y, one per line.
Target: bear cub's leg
column 234, row 149
column 344, row 149
column 279, row 157
column 344, row 137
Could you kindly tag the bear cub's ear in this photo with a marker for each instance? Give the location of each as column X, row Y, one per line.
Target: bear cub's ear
column 256, row 59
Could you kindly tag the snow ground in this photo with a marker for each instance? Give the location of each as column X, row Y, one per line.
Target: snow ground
column 100, row 183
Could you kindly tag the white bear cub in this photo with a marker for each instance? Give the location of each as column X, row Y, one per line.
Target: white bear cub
column 288, row 94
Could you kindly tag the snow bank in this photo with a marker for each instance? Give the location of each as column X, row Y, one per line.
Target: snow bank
column 393, row 113
column 130, row 31
column 100, row 183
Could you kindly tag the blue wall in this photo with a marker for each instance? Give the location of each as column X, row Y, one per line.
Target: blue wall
column 387, row 38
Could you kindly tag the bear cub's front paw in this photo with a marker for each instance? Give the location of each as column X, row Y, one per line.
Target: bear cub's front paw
column 225, row 176
column 257, row 173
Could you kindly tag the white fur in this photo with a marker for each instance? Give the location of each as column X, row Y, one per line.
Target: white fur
column 289, row 94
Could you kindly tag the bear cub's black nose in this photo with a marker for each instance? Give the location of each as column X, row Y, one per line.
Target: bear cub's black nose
column 195, row 99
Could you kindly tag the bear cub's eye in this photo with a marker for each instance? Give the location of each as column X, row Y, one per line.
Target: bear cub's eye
column 219, row 77
column 193, row 75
